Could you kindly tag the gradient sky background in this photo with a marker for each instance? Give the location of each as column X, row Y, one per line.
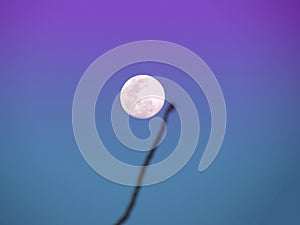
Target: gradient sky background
column 252, row 47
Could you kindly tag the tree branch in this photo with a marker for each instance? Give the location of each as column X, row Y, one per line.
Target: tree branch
column 134, row 196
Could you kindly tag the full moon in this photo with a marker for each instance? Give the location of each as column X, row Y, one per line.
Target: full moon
column 142, row 96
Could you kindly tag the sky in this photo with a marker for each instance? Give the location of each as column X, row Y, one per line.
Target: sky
column 251, row 46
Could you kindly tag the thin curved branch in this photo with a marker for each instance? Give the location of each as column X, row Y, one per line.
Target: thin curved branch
column 134, row 196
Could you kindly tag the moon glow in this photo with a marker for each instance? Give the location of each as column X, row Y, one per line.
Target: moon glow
column 142, row 96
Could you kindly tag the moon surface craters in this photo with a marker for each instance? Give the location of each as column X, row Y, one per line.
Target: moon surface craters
column 142, row 96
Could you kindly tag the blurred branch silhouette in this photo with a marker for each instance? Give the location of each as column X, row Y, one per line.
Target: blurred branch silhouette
column 134, row 196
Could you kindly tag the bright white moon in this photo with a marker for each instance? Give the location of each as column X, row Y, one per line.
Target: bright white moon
column 142, row 96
